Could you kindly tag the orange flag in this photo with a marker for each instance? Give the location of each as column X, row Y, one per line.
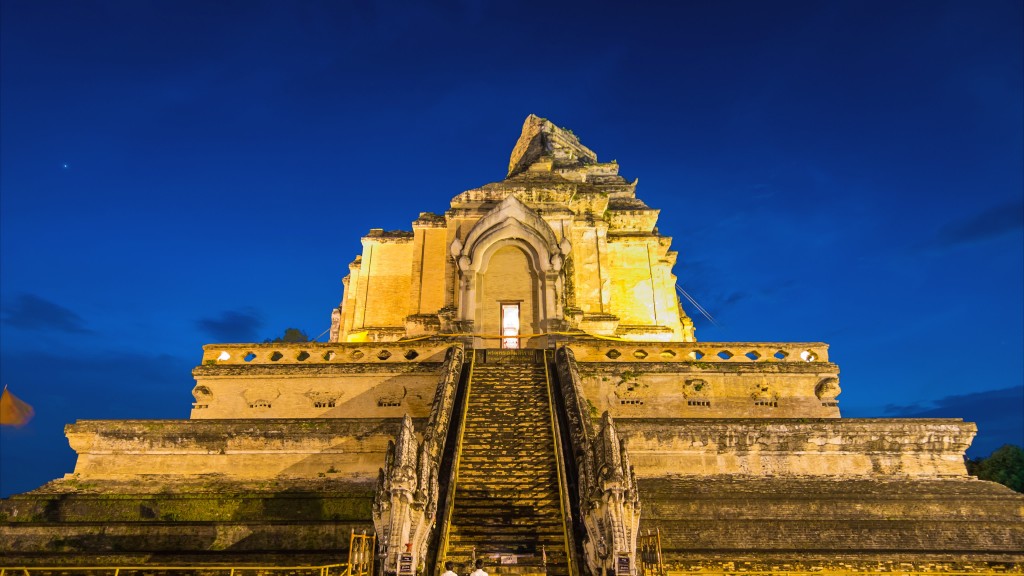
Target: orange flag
column 14, row 412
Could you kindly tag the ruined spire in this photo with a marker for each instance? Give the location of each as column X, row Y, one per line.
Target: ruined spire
column 542, row 140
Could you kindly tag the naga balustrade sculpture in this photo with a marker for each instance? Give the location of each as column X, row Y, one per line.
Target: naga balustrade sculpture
column 406, row 500
column 609, row 503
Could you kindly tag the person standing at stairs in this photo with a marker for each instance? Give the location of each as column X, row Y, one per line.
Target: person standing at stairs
column 479, row 568
column 449, row 569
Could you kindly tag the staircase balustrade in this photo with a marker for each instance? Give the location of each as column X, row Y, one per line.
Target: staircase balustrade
column 609, row 503
column 405, row 502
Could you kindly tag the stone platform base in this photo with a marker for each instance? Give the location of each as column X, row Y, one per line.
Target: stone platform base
column 812, row 523
column 169, row 522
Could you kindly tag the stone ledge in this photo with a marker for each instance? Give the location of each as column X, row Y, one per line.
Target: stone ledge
column 590, row 367
column 799, row 519
column 195, row 485
column 172, row 538
column 312, row 370
column 785, row 447
column 596, row 350
column 236, row 449
column 140, row 501
column 273, row 429
column 328, row 353
column 843, row 564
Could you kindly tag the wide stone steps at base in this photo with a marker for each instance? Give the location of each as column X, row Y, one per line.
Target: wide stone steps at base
column 507, row 499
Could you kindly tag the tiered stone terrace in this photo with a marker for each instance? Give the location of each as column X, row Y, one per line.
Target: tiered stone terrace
column 316, row 380
column 708, row 379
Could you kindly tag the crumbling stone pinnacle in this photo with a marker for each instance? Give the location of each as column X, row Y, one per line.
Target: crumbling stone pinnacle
column 542, row 139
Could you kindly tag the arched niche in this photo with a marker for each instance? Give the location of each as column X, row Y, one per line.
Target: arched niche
column 509, row 275
column 511, row 225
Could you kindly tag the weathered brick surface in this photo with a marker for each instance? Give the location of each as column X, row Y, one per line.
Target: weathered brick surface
column 240, row 449
column 924, row 448
column 736, row 517
column 175, row 521
column 670, row 388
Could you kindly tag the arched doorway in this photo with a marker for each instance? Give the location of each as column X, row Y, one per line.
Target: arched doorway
column 507, row 302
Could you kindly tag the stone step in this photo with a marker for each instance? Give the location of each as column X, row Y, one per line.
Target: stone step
column 482, row 439
column 498, row 527
column 503, row 466
column 484, row 548
column 525, row 516
column 494, row 545
column 514, row 382
column 520, row 480
column 556, row 556
column 505, row 457
column 499, row 467
column 508, row 499
column 500, row 425
column 500, row 536
column 486, row 443
column 511, row 485
column 505, row 406
column 489, row 486
column 513, row 412
column 506, row 494
column 500, row 430
column 503, row 430
column 494, row 475
column 503, row 494
column 498, row 382
column 512, row 415
column 540, row 471
column 532, row 509
column 513, row 399
column 542, row 479
column 494, row 526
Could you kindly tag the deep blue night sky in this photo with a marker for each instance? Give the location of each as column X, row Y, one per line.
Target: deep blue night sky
column 179, row 173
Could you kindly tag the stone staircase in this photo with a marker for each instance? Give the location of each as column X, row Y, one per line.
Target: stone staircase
column 506, row 496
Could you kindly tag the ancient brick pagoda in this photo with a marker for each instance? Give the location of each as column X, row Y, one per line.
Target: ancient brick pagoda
column 515, row 380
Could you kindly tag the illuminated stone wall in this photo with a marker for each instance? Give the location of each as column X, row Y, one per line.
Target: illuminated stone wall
column 429, row 266
column 708, row 379
column 311, row 380
column 849, row 448
column 230, row 449
column 383, row 284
